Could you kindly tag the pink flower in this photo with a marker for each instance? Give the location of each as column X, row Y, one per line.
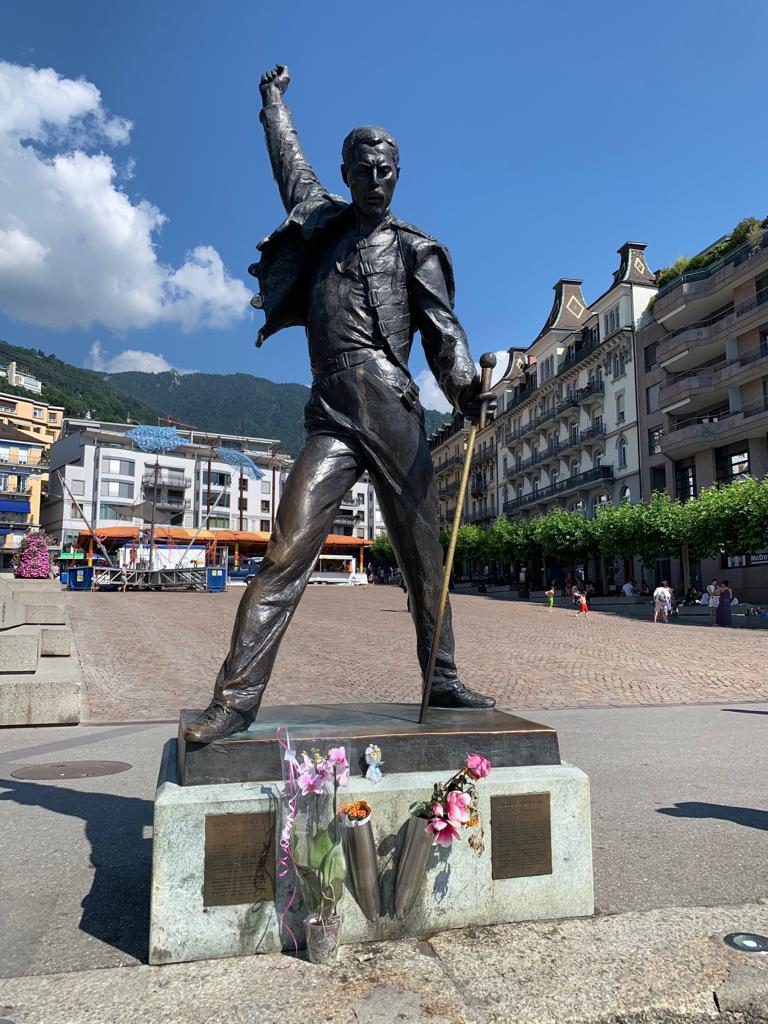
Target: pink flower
column 478, row 767
column 311, row 783
column 444, row 831
column 311, row 778
column 438, row 811
column 458, row 807
column 337, row 762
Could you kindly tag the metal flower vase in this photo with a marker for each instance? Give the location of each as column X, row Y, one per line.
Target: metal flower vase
column 412, row 865
column 362, row 864
column 322, row 936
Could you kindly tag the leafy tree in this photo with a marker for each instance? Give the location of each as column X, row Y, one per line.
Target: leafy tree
column 472, row 544
column 562, row 534
column 382, row 551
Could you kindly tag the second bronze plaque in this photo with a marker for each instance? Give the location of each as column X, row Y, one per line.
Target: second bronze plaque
column 521, row 836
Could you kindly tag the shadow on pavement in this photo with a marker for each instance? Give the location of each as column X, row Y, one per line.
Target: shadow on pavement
column 116, row 910
column 750, row 817
column 745, row 711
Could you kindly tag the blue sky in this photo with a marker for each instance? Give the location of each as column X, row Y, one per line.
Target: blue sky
column 535, row 139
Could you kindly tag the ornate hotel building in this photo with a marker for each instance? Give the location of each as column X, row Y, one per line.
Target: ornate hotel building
column 565, row 432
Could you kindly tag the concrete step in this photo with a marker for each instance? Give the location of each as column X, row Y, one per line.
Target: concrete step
column 11, row 613
column 30, row 586
column 50, row 696
column 19, row 649
column 43, row 614
column 37, row 595
column 55, row 642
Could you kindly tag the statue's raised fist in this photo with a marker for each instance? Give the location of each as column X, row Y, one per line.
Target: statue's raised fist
column 274, row 81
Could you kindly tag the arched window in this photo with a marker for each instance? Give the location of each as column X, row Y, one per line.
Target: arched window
column 519, row 491
column 554, row 476
column 622, row 449
column 597, row 458
column 574, row 468
column 598, row 502
column 626, row 496
column 535, row 484
column 504, row 465
column 576, row 506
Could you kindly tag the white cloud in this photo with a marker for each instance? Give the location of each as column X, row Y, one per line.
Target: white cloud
column 74, row 248
column 431, row 396
column 127, row 360
column 502, row 362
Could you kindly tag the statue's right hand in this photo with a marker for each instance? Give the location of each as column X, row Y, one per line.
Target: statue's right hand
column 274, row 82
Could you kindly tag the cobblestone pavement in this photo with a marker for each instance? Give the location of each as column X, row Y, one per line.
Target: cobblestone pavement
column 145, row 656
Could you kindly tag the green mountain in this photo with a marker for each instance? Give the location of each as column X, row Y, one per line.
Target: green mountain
column 234, row 403
column 79, row 391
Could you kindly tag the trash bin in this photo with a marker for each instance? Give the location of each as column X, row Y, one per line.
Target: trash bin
column 80, row 579
column 216, row 580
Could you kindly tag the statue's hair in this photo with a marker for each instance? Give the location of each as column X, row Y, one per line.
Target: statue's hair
column 371, row 135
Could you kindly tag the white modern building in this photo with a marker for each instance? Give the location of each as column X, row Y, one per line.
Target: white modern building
column 20, row 378
column 115, row 483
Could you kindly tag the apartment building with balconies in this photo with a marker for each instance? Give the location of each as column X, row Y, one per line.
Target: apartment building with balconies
column 23, row 466
column 447, row 446
column 96, row 466
column 568, row 424
column 703, row 391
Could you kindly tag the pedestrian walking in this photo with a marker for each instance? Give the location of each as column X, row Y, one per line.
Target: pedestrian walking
column 723, row 615
column 582, row 605
column 575, row 595
column 550, row 596
column 662, row 602
column 123, row 581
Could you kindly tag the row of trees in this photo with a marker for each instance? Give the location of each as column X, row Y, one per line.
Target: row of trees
column 721, row 520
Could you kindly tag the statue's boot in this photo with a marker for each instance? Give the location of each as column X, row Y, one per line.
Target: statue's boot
column 460, row 696
column 216, row 722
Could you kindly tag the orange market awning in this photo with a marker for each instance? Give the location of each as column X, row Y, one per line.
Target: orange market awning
column 179, row 535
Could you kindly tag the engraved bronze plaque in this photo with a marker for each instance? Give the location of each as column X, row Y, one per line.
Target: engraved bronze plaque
column 239, row 864
column 521, row 836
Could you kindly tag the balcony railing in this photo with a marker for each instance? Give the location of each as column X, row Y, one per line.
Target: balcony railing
column 166, row 478
column 175, row 503
column 21, row 464
column 592, row 433
column 511, row 436
column 455, row 460
column 16, row 491
column 486, row 516
column 752, row 409
column 484, row 454
column 595, row 387
column 346, row 520
column 570, row 483
column 734, row 258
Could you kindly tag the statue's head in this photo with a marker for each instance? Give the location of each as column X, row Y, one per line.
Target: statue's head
column 370, row 168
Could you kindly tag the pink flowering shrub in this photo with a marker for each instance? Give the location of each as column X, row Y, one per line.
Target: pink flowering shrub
column 34, row 562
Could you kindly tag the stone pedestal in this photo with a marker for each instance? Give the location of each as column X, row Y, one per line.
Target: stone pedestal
column 461, row 888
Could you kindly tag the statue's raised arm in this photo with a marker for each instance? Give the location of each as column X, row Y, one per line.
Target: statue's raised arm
column 293, row 173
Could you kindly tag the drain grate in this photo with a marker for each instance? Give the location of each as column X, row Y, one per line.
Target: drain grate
column 71, row 770
column 747, row 942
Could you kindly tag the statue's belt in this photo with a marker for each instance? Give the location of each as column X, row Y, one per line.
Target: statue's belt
column 409, row 394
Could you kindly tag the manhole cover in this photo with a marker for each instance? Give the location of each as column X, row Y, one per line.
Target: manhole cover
column 71, row 770
column 747, row 942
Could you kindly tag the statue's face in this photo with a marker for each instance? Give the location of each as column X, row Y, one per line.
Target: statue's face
column 371, row 176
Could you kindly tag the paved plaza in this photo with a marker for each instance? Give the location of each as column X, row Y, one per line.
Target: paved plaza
column 146, row 655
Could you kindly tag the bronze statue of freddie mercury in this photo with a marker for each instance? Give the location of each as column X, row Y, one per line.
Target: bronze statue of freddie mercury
column 362, row 283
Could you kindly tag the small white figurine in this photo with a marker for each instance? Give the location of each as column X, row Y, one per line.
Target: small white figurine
column 373, row 760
